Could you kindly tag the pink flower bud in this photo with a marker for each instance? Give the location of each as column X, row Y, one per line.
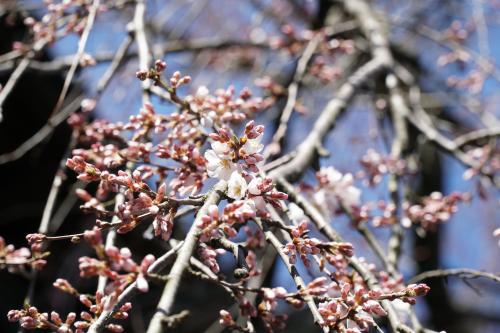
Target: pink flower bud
column 374, row 307
column 420, row 289
column 93, row 237
column 115, row 328
column 35, row 238
column 160, row 194
column 278, row 195
column 142, row 75
column 13, row 315
column 160, row 65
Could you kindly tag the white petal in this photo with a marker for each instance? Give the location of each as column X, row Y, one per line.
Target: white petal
column 202, row 92
column 226, row 169
column 221, row 149
column 237, row 186
column 252, row 187
column 253, row 146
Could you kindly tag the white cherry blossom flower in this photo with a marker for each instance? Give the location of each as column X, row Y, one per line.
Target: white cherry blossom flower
column 253, row 146
column 351, row 196
column 218, row 167
column 337, row 190
column 207, row 121
column 257, row 198
column 333, row 175
column 253, row 186
column 222, row 149
column 236, row 186
column 202, row 92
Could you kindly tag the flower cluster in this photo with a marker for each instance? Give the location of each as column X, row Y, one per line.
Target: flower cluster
column 111, row 262
column 15, row 260
column 236, row 160
column 336, row 192
column 154, row 167
column 30, row 318
column 435, row 209
column 267, row 306
column 61, row 19
column 303, row 245
column 234, row 213
column 354, row 301
column 229, row 153
column 388, row 216
column 377, row 165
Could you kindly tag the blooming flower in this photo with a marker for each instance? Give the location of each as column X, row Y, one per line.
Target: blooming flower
column 222, row 149
column 218, row 167
column 253, row 186
column 236, row 186
column 252, row 146
column 202, row 92
column 337, row 190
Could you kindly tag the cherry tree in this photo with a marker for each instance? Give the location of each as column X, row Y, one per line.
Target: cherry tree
column 220, row 181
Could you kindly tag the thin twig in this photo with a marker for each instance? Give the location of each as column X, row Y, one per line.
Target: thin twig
column 42, row 133
column 115, row 64
column 465, row 273
column 189, row 45
column 11, row 83
column 18, row 72
column 293, row 91
column 78, row 56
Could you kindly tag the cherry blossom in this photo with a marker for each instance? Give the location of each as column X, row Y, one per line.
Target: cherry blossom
column 336, row 191
column 236, row 186
column 218, row 167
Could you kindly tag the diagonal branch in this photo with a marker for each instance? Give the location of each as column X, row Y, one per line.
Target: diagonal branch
column 182, row 261
column 78, row 56
column 42, row 133
column 292, row 270
column 142, row 45
column 293, row 91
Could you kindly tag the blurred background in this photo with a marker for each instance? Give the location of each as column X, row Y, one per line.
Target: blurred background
column 451, row 47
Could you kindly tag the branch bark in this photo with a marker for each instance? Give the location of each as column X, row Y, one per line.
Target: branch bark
column 182, row 261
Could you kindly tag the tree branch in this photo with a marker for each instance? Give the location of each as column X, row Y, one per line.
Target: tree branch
column 465, row 273
column 182, row 262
